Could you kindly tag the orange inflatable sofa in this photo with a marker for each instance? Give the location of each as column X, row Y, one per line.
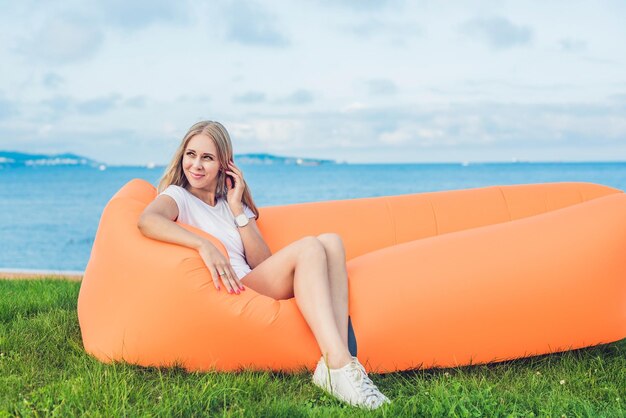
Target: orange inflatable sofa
column 439, row 279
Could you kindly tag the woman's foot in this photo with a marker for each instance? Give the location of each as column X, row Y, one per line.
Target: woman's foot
column 350, row 384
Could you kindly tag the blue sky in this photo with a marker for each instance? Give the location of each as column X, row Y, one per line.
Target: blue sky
column 356, row 81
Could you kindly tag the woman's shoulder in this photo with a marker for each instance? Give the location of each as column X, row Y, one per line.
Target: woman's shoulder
column 175, row 191
column 175, row 187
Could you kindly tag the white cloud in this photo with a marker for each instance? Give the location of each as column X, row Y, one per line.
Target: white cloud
column 45, row 130
column 497, row 32
column 138, row 14
column 52, row 80
column 250, row 97
column 298, row 97
column 8, row 108
column 275, row 131
column 572, row 45
column 396, row 137
column 396, row 31
column 430, row 134
column 354, row 106
column 364, row 5
column 62, row 41
column 249, row 23
column 382, row 87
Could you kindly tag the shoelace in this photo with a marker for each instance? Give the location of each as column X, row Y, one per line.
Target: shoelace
column 367, row 388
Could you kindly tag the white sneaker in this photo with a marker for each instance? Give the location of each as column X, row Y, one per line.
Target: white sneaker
column 349, row 384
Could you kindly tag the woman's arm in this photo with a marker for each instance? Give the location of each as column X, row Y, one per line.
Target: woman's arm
column 255, row 247
column 157, row 222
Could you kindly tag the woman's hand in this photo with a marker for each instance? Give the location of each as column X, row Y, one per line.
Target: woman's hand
column 220, row 268
column 235, row 191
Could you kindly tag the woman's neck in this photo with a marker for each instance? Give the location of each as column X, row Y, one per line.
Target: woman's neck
column 207, row 196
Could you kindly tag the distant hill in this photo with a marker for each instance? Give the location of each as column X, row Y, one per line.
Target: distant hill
column 10, row 158
column 275, row 159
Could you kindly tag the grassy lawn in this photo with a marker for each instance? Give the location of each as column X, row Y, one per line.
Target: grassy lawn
column 44, row 371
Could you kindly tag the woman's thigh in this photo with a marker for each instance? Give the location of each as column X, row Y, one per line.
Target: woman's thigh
column 274, row 276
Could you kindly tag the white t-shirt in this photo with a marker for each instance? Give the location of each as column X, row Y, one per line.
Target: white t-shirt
column 217, row 220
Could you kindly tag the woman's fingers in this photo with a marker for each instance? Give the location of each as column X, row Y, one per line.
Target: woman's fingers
column 235, row 175
column 229, row 278
column 234, row 280
column 233, row 283
column 220, row 269
column 237, row 178
column 237, row 281
column 214, row 276
column 225, row 279
column 235, row 168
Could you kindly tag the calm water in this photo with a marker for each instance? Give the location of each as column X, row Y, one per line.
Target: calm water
column 49, row 215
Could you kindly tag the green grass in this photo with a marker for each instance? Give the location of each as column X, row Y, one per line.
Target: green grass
column 44, row 371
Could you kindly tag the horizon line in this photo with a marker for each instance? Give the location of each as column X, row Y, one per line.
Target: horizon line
column 469, row 162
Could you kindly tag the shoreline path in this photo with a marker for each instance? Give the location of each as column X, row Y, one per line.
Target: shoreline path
column 13, row 274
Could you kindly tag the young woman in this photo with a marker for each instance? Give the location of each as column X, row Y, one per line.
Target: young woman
column 203, row 187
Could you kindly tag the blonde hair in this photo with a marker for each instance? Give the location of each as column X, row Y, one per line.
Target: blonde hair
column 174, row 172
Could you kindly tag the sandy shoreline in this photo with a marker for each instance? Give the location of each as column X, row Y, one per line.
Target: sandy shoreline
column 40, row 274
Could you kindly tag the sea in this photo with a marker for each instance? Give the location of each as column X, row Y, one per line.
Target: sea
column 49, row 214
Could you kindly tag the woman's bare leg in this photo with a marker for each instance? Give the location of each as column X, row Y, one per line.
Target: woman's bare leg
column 300, row 269
column 338, row 278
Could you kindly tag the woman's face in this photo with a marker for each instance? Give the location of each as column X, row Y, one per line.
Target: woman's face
column 200, row 163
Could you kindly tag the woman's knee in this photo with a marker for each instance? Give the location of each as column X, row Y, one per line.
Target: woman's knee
column 310, row 246
column 332, row 242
